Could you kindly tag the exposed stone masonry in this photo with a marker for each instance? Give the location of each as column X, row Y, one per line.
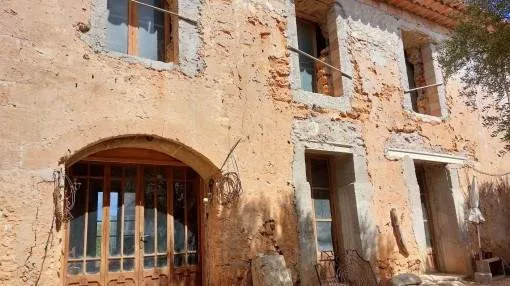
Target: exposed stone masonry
column 62, row 93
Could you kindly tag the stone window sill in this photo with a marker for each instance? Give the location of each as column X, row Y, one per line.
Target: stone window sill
column 152, row 64
column 426, row 118
column 340, row 103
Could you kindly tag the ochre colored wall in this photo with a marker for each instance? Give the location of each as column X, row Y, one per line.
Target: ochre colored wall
column 57, row 96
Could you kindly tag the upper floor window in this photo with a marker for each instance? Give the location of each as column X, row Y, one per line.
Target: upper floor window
column 314, row 76
column 139, row 30
column 421, row 72
column 320, row 59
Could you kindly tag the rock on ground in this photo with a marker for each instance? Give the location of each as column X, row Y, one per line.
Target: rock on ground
column 270, row 270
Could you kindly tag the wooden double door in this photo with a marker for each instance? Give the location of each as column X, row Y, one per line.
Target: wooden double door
column 134, row 224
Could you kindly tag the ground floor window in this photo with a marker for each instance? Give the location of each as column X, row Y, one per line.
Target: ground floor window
column 133, row 223
column 318, row 175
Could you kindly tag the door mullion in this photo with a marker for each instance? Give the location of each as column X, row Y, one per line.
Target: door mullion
column 170, row 222
column 86, row 223
column 122, row 215
column 139, row 226
column 155, row 214
column 185, row 218
column 106, row 223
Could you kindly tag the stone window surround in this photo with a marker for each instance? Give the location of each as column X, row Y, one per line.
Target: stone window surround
column 437, row 77
column 336, row 24
column 459, row 231
column 364, row 238
column 189, row 41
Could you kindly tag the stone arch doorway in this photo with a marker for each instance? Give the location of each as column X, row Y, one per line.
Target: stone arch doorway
column 138, row 217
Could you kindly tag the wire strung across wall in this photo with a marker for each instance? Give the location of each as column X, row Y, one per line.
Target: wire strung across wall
column 63, row 207
column 486, row 173
column 487, row 179
column 493, row 187
column 226, row 185
column 492, row 177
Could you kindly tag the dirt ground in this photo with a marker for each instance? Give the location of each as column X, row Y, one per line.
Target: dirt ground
column 501, row 282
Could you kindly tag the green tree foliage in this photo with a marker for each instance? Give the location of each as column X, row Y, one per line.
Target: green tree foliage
column 479, row 51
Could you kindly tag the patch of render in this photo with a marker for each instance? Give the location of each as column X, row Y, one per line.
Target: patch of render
column 190, row 39
column 332, row 137
column 340, row 103
column 433, row 74
column 452, row 193
column 323, row 130
column 414, row 141
column 292, row 39
column 337, row 30
column 460, row 203
column 452, row 253
column 363, row 16
column 432, row 69
column 415, row 207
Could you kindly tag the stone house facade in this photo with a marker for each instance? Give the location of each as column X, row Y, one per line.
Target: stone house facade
column 128, row 134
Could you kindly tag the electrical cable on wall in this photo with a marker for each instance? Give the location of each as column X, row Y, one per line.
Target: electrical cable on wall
column 227, row 186
column 165, row 11
column 318, row 60
column 486, row 173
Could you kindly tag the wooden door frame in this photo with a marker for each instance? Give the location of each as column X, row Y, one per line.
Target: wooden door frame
column 422, row 178
column 138, row 256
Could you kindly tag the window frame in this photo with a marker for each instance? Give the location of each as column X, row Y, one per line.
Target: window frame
column 431, row 74
column 308, row 161
column 169, row 32
column 342, row 87
column 103, row 275
column 314, row 53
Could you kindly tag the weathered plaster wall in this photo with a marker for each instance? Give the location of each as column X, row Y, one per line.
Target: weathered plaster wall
column 380, row 109
column 495, row 205
column 58, row 95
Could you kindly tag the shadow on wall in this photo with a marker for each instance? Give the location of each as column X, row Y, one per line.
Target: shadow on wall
column 386, row 256
column 495, row 206
column 391, row 259
column 253, row 225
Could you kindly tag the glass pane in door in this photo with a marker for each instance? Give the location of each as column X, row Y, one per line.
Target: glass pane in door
column 77, row 222
column 179, row 224
column 148, row 218
column 115, row 226
column 155, row 218
column 95, row 226
column 192, row 220
column 121, row 223
column 161, row 205
column 129, row 215
column 115, row 217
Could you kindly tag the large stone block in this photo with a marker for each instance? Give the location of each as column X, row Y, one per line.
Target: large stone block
column 270, row 269
column 404, row 280
column 483, row 277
